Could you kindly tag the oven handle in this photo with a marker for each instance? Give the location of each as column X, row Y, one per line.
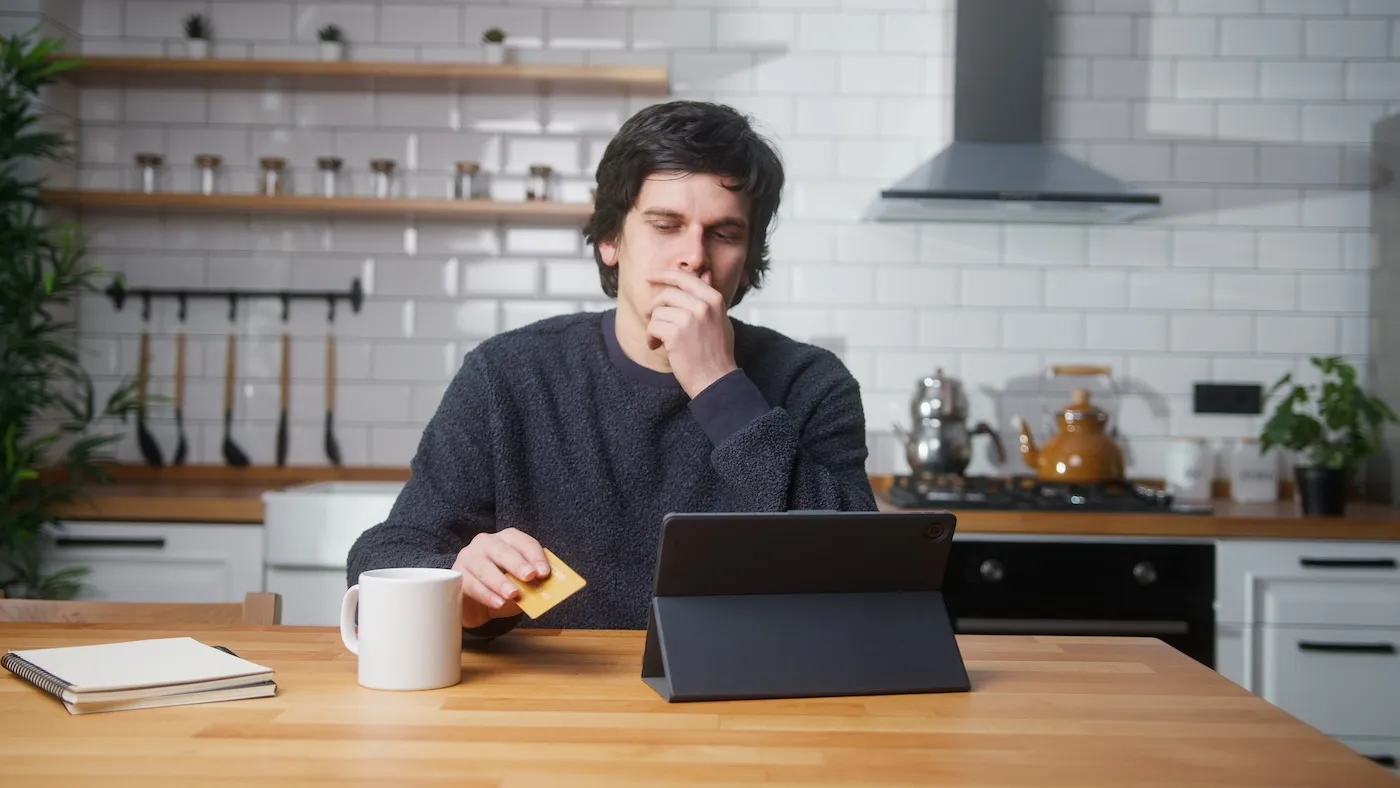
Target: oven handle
column 157, row 542
column 1347, row 563
column 1347, row 648
column 1058, row 626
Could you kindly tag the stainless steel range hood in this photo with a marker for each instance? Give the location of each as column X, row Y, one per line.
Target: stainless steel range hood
column 998, row 167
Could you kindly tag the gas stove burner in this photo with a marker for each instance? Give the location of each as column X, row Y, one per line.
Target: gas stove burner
column 950, row 491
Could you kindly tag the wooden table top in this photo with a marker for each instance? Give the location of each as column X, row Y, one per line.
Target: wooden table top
column 568, row 708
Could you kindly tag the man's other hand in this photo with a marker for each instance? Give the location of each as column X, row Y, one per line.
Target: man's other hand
column 484, row 563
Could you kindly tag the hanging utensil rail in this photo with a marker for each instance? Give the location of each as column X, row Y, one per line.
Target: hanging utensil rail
column 119, row 292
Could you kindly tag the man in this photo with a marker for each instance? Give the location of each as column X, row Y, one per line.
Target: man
column 580, row 433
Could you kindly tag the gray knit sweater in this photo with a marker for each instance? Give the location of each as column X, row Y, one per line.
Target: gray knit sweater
column 552, row 429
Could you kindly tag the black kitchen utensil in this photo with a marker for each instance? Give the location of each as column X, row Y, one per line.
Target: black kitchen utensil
column 282, row 419
column 332, row 448
column 181, row 447
column 149, row 448
column 232, row 454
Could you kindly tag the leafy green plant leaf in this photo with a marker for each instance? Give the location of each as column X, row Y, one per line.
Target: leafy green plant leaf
column 1334, row 424
column 52, row 444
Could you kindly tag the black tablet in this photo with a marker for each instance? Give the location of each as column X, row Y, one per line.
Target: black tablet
column 802, row 552
column 801, row 604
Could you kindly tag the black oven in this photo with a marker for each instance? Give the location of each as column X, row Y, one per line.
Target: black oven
column 1085, row 585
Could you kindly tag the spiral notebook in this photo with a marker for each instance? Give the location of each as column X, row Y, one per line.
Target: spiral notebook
column 139, row 674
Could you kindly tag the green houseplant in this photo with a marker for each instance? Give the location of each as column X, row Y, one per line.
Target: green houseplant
column 1332, row 428
column 48, row 416
column 196, row 35
column 332, row 42
column 493, row 42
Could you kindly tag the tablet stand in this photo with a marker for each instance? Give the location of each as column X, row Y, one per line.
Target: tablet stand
column 749, row 646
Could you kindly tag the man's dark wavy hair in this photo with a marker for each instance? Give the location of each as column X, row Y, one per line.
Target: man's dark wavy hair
column 694, row 137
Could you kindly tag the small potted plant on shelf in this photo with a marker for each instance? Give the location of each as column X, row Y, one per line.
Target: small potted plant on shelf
column 493, row 41
column 332, row 40
column 1331, row 428
column 197, row 35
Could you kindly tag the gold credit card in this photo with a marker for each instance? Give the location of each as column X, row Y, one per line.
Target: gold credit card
column 538, row 596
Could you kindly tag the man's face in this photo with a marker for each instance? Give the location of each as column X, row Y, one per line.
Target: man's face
column 680, row 221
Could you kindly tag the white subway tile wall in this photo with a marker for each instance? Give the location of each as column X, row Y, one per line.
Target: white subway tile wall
column 1250, row 117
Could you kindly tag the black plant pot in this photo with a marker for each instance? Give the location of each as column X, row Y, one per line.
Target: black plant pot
column 1322, row 491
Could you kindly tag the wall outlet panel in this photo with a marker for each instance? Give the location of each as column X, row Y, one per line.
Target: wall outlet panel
column 1230, row 398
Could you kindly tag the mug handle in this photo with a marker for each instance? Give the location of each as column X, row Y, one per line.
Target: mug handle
column 348, row 605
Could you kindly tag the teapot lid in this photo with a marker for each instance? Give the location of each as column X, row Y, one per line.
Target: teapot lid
column 940, row 394
column 1081, row 409
column 940, row 381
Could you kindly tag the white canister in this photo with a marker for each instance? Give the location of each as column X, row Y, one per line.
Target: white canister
column 1190, row 470
column 1253, row 475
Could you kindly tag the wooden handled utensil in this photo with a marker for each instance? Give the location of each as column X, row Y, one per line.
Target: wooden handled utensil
column 332, row 447
column 150, row 450
column 282, row 418
column 181, row 447
column 232, row 454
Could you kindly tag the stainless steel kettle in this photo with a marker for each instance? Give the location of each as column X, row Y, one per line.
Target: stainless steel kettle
column 940, row 441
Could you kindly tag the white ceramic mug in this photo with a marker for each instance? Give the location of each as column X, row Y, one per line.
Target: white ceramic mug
column 410, row 628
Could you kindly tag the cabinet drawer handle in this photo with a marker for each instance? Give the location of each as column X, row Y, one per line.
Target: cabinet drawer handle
column 1388, row 761
column 1354, row 648
column 1052, row 626
column 156, row 542
column 1348, row 563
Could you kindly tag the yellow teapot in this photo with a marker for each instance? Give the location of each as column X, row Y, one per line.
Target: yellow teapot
column 1081, row 451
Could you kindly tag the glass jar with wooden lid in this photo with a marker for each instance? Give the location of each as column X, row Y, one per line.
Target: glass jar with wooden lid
column 272, row 178
column 148, row 172
column 329, row 166
column 538, row 186
column 469, row 183
column 207, row 172
column 383, row 176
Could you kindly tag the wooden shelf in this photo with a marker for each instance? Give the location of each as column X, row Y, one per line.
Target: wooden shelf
column 182, row 202
column 349, row 75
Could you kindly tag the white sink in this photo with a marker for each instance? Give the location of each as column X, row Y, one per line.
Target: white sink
column 314, row 525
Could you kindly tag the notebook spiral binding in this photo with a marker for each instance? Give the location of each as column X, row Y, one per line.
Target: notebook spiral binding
column 40, row 678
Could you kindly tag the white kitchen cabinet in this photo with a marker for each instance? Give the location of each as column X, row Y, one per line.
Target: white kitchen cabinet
column 311, row 596
column 162, row 562
column 1313, row 626
column 310, row 529
column 1307, row 581
column 1385, row 752
column 1229, row 652
column 1342, row 681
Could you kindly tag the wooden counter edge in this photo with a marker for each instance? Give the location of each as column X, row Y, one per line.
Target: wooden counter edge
column 201, row 493
column 164, row 508
column 128, row 501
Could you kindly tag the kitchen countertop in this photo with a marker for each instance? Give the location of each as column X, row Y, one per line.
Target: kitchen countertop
column 203, row 493
column 1275, row 520
column 549, row 707
column 215, row 494
column 204, row 502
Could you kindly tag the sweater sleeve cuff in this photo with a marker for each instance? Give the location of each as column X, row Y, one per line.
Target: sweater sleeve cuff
column 491, row 629
column 727, row 405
